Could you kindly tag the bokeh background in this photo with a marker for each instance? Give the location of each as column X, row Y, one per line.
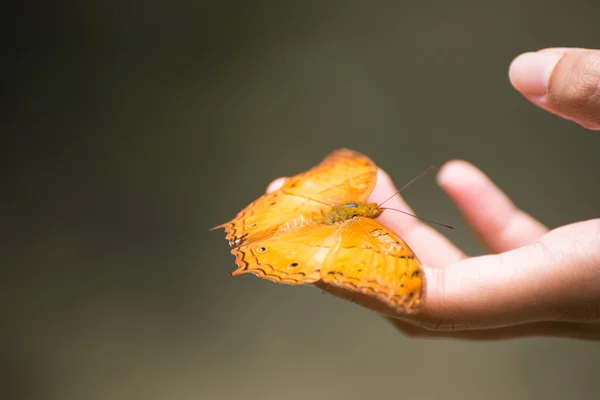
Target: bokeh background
column 130, row 129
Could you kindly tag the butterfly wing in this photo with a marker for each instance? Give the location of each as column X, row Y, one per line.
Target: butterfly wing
column 373, row 260
column 292, row 257
column 266, row 215
column 343, row 176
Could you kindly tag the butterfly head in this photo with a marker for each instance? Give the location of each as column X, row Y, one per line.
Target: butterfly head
column 371, row 210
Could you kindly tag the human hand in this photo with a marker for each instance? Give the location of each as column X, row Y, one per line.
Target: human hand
column 537, row 283
column 534, row 282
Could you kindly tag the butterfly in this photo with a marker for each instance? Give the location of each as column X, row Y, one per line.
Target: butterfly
column 319, row 228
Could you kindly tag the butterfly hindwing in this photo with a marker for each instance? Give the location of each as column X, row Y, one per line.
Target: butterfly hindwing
column 373, row 260
column 293, row 257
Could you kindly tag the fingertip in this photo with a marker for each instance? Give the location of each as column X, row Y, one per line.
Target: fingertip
column 470, row 188
column 530, row 72
column 276, row 184
column 383, row 178
column 456, row 172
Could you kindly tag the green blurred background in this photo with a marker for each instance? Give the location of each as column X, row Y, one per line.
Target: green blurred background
column 132, row 129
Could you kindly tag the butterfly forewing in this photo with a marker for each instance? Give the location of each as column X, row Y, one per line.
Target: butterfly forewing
column 265, row 216
column 342, row 177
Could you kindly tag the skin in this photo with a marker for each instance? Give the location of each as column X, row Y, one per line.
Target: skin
column 534, row 282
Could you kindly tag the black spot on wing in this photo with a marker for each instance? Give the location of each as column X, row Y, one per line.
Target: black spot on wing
column 265, row 270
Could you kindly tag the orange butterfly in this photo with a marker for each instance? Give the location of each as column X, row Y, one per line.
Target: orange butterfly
column 319, row 227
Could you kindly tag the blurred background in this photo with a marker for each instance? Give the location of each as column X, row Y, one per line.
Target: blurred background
column 129, row 130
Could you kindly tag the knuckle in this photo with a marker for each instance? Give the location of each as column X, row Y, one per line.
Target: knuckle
column 584, row 85
column 441, row 314
column 575, row 89
column 442, row 323
column 583, row 249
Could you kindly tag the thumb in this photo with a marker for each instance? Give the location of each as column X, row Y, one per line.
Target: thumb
column 556, row 279
column 563, row 81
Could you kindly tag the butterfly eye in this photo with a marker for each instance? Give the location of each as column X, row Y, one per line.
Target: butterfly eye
column 261, row 249
column 351, row 205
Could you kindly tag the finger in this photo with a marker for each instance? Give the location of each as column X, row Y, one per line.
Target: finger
column 276, row 184
column 556, row 279
column 432, row 248
column 563, row 81
column 537, row 329
column 493, row 217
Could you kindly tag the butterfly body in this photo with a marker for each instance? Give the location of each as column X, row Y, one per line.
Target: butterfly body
column 344, row 212
column 319, row 227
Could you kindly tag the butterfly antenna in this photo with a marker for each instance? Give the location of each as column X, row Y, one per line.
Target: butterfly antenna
column 422, row 219
column 409, row 183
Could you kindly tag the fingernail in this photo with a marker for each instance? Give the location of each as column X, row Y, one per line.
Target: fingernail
column 530, row 72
